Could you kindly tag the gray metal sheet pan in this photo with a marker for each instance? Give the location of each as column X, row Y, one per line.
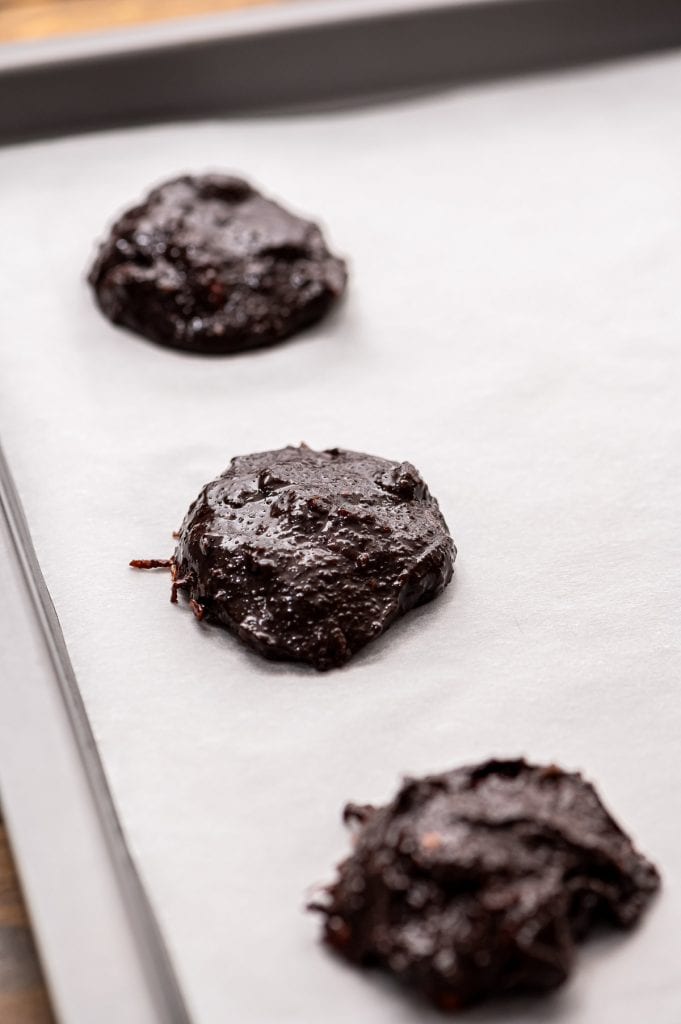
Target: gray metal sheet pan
column 309, row 53
column 512, row 328
column 105, row 957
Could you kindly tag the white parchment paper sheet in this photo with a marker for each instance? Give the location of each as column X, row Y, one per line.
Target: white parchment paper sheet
column 513, row 328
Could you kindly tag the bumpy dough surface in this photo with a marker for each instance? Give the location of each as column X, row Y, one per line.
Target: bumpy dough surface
column 308, row 555
column 210, row 265
column 479, row 881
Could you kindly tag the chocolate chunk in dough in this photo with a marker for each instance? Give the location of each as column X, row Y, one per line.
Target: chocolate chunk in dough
column 479, row 881
column 210, row 265
column 307, row 555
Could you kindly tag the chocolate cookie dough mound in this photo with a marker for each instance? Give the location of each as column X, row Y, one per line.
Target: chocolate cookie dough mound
column 479, row 881
column 308, row 555
column 210, row 265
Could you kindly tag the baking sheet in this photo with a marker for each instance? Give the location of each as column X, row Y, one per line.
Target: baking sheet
column 307, row 53
column 512, row 328
column 74, row 864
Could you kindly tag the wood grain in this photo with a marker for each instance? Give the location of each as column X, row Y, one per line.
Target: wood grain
column 34, row 19
column 23, row 997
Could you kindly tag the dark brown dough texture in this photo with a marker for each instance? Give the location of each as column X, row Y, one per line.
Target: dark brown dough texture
column 210, row 265
column 308, row 555
column 479, row 881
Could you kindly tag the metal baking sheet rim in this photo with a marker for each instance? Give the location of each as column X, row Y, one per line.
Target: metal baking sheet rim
column 395, row 46
column 309, row 53
column 91, row 910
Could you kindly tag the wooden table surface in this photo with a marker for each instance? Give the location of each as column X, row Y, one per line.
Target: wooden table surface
column 23, row 997
column 33, row 19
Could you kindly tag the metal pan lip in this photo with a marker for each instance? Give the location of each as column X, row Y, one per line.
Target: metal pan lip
column 48, row 673
column 212, row 28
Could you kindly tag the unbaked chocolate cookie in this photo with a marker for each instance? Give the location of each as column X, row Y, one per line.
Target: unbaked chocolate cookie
column 479, row 881
column 210, row 265
column 308, row 555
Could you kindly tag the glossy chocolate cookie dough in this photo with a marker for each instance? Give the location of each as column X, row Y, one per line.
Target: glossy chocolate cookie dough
column 210, row 265
column 308, row 555
column 479, row 881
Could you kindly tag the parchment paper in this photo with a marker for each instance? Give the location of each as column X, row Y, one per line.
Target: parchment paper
column 513, row 328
